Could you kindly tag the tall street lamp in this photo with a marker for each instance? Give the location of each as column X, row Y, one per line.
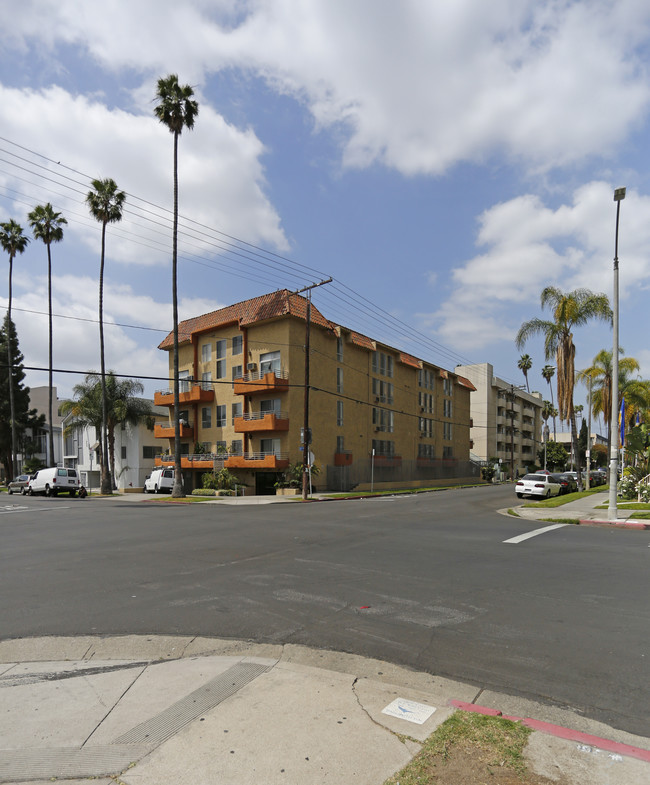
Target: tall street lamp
column 619, row 195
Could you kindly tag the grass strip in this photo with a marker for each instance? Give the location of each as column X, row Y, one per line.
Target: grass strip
column 499, row 742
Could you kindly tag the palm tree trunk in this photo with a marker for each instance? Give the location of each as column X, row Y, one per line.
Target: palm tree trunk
column 553, row 405
column 49, row 407
column 177, row 490
column 10, row 379
column 106, row 487
column 574, row 447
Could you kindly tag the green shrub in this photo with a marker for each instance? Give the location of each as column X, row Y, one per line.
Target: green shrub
column 204, row 492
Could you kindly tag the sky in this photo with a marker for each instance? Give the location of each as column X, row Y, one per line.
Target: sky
column 442, row 162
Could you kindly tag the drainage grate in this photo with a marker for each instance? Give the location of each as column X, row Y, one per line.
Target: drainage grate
column 162, row 727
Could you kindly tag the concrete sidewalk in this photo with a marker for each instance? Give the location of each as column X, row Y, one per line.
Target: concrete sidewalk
column 154, row 710
column 582, row 510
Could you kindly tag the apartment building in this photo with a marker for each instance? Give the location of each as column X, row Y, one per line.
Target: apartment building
column 377, row 414
column 506, row 420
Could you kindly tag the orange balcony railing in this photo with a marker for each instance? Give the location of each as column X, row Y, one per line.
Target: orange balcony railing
column 255, row 422
column 196, row 394
column 258, row 460
column 251, row 383
column 167, row 431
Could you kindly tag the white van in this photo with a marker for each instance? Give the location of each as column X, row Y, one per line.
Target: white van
column 54, row 481
column 159, row 481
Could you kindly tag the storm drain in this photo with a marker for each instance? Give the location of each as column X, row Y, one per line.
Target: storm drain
column 162, row 727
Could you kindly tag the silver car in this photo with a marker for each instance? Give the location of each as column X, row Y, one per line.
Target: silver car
column 544, row 485
column 19, row 485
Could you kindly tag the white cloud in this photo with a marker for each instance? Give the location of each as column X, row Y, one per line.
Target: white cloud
column 529, row 246
column 416, row 86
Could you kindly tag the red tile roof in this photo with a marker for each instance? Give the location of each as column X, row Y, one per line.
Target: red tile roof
column 257, row 309
column 466, row 383
column 408, row 359
column 362, row 340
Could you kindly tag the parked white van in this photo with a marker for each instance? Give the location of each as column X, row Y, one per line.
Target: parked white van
column 159, row 481
column 54, row 481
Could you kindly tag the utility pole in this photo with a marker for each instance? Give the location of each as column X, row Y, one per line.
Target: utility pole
column 512, row 432
column 588, row 450
column 306, row 433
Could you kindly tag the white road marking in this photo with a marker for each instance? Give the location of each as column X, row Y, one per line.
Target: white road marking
column 528, row 535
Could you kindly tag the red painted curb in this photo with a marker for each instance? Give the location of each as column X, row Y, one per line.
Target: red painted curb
column 621, row 524
column 563, row 733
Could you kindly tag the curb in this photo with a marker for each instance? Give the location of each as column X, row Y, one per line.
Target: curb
column 559, row 731
column 616, row 525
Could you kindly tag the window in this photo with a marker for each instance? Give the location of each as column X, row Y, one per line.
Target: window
column 446, row 408
column 426, row 451
column 339, row 380
column 382, row 364
column 382, row 447
column 236, row 447
column 340, row 444
column 150, row 451
column 339, row 412
column 221, row 448
column 221, row 416
column 123, row 453
column 382, row 419
column 426, row 427
column 447, row 452
column 221, row 348
column 206, row 380
column 339, row 349
column 271, row 405
column 425, row 401
column 183, row 381
column 221, row 369
column 270, row 361
column 184, row 417
column 206, row 353
column 426, row 378
column 206, row 417
column 446, row 431
column 237, row 344
column 237, row 373
column 448, row 386
column 382, row 390
column 236, row 411
column 270, row 446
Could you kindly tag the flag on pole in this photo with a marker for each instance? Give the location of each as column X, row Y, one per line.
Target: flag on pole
column 621, row 423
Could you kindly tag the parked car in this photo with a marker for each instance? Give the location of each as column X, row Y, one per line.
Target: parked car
column 159, row 481
column 569, row 484
column 538, row 485
column 53, row 481
column 19, row 485
column 597, row 478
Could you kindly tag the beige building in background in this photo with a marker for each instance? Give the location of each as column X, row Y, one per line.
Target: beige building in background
column 507, row 421
column 242, row 377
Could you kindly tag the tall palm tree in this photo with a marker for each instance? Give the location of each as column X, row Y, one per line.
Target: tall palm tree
column 569, row 310
column 177, row 110
column 47, row 225
column 525, row 364
column 548, row 372
column 105, row 203
column 13, row 242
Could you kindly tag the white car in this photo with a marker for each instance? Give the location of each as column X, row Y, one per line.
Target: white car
column 543, row 485
column 159, row 481
column 53, row 481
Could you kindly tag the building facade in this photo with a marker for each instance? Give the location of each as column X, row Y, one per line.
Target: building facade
column 506, row 421
column 377, row 415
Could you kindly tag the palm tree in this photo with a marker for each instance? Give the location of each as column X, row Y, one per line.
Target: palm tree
column 525, row 364
column 570, row 310
column 105, row 203
column 13, row 242
column 548, row 372
column 600, row 375
column 47, row 226
column 177, row 110
column 123, row 406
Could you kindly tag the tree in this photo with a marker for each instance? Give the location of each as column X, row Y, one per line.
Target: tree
column 122, row 406
column 177, row 110
column 556, row 456
column 525, row 364
column 47, row 226
column 13, row 242
column 570, row 310
column 12, row 377
column 548, row 372
column 583, row 444
column 105, row 203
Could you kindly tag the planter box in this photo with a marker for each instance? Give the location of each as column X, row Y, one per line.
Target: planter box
column 288, row 491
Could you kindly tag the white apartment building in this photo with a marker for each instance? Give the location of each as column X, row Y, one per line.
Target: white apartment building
column 506, row 421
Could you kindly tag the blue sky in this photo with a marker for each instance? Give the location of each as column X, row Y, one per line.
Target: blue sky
column 445, row 161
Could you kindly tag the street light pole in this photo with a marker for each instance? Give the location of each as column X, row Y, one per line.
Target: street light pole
column 619, row 195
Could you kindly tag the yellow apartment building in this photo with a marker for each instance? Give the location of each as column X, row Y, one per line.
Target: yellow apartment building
column 378, row 416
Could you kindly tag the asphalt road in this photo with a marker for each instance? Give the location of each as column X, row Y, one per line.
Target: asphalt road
column 425, row 581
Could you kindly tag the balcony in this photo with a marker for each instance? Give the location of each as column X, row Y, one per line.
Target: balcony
column 167, row 431
column 258, row 460
column 196, row 394
column 343, row 458
column 257, row 422
column 203, row 461
column 251, row 383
